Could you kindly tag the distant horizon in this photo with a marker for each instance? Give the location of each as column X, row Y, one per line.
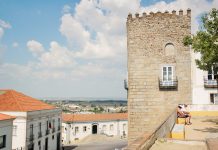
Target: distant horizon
column 83, row 98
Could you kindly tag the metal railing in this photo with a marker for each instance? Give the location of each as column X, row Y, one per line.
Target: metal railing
column 47, row 131
column 39, row 134
column 168, row 84
column 31, row 137
column 210, row 83
column 126, row 84
column 53, row 130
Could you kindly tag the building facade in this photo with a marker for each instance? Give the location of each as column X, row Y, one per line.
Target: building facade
column 76, row 127
column 6, row 126
column 159, row 68
column 37, row 125
column 204, row 84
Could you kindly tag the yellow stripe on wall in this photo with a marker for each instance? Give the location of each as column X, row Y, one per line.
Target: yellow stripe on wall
column 204, row 113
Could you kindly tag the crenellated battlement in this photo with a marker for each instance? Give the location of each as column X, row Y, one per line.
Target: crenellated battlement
column 152, row 14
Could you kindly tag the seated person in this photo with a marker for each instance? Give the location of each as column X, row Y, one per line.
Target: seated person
column 184, row 110
column 184, row 114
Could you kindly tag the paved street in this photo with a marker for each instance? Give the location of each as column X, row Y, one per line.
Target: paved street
column 107, row 145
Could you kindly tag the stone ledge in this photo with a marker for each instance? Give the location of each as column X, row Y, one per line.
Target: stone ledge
column 146, row 140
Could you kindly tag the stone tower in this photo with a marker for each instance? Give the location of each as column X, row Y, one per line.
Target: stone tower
column 159, row 68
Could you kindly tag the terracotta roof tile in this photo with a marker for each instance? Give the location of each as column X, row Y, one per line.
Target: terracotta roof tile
column 93, row 117
column 6, row 117
column 11, row 100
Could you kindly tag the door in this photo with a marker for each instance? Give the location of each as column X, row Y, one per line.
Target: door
column 58, row 141
column 94, row 129
column 46, row 144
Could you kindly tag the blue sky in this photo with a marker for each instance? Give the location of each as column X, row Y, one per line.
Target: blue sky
column 72, row 48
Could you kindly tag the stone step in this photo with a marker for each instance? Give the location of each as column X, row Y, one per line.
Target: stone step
column 178, row 131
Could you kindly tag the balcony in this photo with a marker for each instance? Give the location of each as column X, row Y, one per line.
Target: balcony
column 59, row 128
column 210, row 83
column 39, row 134
column 53, row 130
column 168, row 85
column 47, row 131
column 31, row 137
column 126, row 84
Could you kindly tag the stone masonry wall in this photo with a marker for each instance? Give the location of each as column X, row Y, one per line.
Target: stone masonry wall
column 147, row 36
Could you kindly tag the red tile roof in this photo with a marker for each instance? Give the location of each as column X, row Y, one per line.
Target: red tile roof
column 6, row 117
column 11, row 100
column 93, row 117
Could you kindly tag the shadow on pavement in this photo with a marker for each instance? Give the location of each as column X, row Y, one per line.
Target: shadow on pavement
column 69, row 147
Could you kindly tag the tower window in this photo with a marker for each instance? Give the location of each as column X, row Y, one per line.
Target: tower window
column 169, row 49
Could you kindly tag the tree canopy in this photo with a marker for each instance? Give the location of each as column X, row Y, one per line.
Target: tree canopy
column 206, row 41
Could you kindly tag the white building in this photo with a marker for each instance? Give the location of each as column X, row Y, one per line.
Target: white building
column 204, row 84
column 77, row 126
column 37, row 124
column 6, row 125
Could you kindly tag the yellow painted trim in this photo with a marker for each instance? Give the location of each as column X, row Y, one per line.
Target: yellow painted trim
column 178, row 135
column 204, row 113
column 180, row 120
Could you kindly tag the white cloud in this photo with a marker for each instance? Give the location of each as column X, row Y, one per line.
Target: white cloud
column 97, row 29
column 57, row 57
column 121, row 7
column 15, row 45
column 66, row 9
column 49, row 74
column 73, row 31
column 35, row 47
column 89, row 69
column 15, row 70
column 4, row 24
column 1, row 33
column 98, row 49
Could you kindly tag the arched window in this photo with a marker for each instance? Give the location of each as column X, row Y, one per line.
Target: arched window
column 170, row 49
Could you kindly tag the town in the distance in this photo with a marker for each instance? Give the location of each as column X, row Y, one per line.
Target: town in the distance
column 161, row 62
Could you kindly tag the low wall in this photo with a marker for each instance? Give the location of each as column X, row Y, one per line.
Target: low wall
column 145, row 141
column 202, row 107
column 203, row 110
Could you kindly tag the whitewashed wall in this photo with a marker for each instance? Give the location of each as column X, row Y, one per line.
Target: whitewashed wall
column 109, row 128
column 200, row 95
column 23, row 121
column 6, row 129
column 19, row 137
column 43, row 116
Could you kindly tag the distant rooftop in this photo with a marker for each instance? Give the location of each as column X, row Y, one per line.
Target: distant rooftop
column 12, row 100
column 6, row 117
column 93, row 117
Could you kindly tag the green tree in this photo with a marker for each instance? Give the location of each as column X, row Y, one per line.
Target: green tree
column 101, row 109
column 205, row 41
